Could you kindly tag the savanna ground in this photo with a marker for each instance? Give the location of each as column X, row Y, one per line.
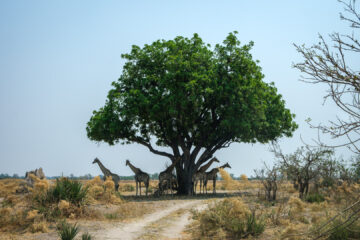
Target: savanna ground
column 105, row 214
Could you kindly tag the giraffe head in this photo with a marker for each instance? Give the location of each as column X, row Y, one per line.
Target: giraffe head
column 226, row 165
column 127, row 162
column 96, row 160
column 215, row 159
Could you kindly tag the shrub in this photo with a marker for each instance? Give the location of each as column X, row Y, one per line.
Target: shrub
column 109, row 184
column 39, row 227
column 230, row 217
column 243, row 177
column 64, row 189
column 229, row 183
column 65, row 198
column 296, row 204
column 86, row 236
column 314, row 197
column 69, row 190
column 67, row 231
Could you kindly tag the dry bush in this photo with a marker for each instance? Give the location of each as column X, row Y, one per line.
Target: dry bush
column 287, row 187
column 230, row 218
column 316, row 207
column 13, row 220
column 296, row 204
column 345, row 194
column 102, row 192
column 15, row 210
column 243, row 177
column 39, row 227
column 293, row 232
column 277, row 214
column 39, row 184
column 127, row 187
column 228, row 182
column 9, row 186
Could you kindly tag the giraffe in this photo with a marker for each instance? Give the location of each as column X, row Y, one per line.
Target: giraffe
column 212, row 176
column 200, row 174
column 167, row 176
column 140, row 176
column 108, row 173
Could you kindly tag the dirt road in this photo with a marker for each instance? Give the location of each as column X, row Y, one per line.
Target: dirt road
column 166, row 223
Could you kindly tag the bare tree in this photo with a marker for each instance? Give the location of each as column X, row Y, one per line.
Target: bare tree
column 303, row 165
column 331, row 65
column 268, row 177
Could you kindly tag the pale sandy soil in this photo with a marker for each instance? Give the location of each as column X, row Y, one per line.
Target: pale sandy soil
column 167, row 221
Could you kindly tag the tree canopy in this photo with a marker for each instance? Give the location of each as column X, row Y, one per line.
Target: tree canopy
column 192, row 99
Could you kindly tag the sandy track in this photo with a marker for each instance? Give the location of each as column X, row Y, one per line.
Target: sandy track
column 178, row 224
column 137, row 229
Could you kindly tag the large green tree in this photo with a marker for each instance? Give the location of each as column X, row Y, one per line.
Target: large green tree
column 192, row 99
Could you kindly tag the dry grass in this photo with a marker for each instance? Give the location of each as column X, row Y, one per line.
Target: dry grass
column 286, row 218
column 227, row 219
column 230, row 184
column 102, row 192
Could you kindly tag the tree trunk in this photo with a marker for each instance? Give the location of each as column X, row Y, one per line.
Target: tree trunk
column 185, row 183
column 274, row 191
column 184, row 177
column 301, row 190
column 306, row 188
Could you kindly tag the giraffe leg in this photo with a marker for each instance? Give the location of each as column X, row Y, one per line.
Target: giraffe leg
column 140, row 187
column 195, row 185
column 171, row 186
column 200, row 185
column 214, row 185
column 206, row 187
column 147, row 187
column 136, row 188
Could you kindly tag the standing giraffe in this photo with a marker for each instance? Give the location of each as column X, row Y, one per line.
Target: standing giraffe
column 167, row 176
column 108, row 173
column 212, row 176
column 200, row 174
column 140, row 176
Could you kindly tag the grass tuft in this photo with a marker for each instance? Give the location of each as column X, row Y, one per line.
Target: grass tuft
column 67, row 231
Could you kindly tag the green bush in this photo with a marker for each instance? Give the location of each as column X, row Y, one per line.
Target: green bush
column 229, row 218
column 67, row 231
column 69, row 190
column 314, row 197
column 86, row 236
column 254, row 227
column 64, row 189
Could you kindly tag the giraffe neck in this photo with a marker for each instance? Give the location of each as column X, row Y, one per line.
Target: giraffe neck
column 105, row 171
column 172, row 166
column 214, row 171
column 206, row 166
column 133, row 168
column 223, row 166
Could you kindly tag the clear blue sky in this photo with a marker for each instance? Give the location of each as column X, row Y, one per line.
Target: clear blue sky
column 58, row 59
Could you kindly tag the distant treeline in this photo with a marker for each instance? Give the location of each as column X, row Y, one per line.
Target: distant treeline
column 73, row 177
column 88, row 176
